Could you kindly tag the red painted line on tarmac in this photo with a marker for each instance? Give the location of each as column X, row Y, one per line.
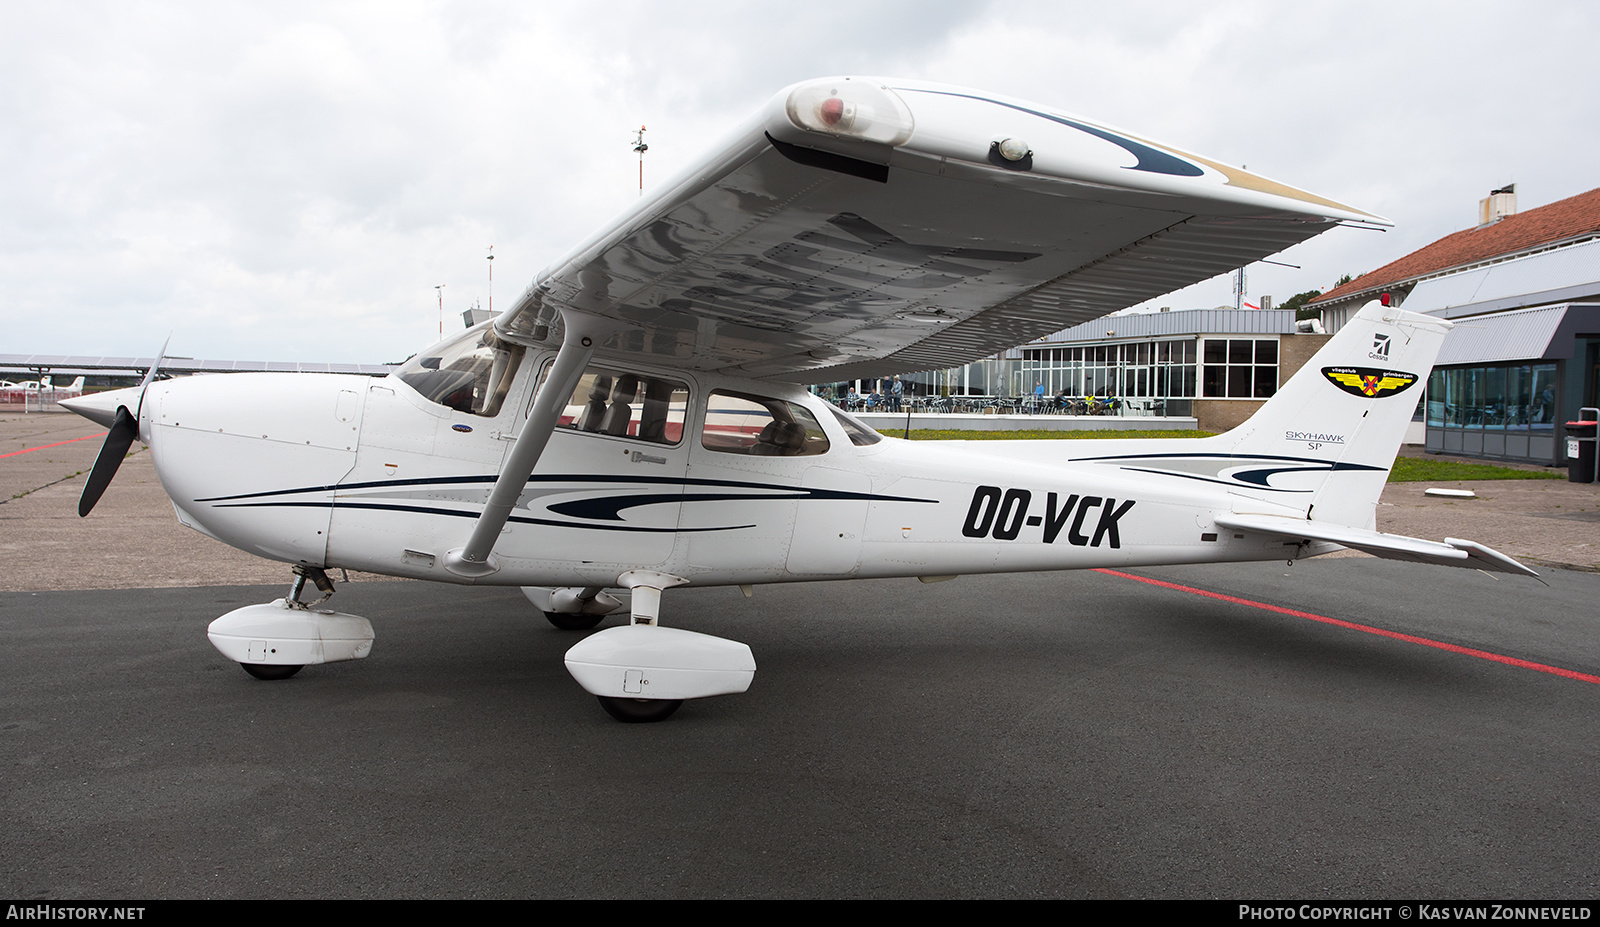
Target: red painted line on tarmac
column 57, row 444
column 1409, row 638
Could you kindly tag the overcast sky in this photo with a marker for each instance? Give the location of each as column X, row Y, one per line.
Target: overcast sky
column 291, row 181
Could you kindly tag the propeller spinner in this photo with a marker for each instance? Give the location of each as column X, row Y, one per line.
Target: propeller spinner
column 124, row 428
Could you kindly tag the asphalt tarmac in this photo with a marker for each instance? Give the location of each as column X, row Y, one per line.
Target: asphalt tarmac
column 1070, row 735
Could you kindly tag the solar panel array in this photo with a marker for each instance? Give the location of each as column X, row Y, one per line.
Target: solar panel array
column 75, row 364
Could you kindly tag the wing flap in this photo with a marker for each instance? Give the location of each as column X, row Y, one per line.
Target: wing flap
column 1452, row 552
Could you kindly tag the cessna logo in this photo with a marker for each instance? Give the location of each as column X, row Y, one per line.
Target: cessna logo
column 1001, row 514
column 1370, row 382
column 1380, row 347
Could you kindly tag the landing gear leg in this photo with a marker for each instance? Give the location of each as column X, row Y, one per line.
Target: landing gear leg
column 646, row 610
column 318, row 578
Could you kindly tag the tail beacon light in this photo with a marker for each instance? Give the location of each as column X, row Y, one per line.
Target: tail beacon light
column 850, row 108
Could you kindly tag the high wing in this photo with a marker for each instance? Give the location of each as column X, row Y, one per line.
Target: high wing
column 855, row 225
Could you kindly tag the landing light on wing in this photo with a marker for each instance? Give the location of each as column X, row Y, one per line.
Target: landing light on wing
column 1013, row 149
column 851, row 108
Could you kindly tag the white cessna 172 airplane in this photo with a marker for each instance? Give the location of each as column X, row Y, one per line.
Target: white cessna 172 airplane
column 637, row 420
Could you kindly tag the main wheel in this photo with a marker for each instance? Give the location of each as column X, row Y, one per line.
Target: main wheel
column 639, row 710
column 271, row 670
column 573, row 622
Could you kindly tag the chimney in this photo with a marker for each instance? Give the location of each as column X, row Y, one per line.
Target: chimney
column 1500, row 203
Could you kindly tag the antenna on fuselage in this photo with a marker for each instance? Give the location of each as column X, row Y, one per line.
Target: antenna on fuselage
column 641, row 147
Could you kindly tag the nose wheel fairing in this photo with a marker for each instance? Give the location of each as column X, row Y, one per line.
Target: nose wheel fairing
column 278, row 634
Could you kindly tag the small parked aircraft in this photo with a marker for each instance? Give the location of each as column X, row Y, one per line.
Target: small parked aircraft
column 33, row 390
column 637, row 420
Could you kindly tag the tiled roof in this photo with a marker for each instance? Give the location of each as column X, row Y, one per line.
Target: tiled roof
column 1568, row 218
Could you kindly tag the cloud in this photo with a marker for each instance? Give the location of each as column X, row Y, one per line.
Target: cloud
column 293, row 180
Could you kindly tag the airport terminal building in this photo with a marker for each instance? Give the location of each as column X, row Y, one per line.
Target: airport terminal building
column 1216, row 365
column 1524, row 292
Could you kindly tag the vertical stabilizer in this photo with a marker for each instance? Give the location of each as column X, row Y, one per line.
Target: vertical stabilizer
column 1338, row 423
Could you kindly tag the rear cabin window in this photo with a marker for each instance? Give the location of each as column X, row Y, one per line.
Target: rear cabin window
column 626, row 405
column 760, row 427
column 856, row 430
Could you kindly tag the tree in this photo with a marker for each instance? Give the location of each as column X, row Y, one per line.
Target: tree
column 1298, row 301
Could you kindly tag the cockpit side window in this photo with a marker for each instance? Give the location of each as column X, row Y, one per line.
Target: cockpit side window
column 761, row 427
column 470, row 373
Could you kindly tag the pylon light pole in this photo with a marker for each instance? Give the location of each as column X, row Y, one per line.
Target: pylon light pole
column 641, row 147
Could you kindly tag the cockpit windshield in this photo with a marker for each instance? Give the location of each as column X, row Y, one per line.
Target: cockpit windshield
column 469, row 373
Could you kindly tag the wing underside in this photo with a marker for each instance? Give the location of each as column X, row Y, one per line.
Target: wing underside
column 814, row 258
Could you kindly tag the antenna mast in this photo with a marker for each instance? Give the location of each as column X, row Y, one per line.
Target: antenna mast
column 641, row 147
column 491, row 279
column 440, row 288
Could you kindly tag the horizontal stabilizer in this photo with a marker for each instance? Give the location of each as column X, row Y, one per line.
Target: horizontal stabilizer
column 1452, row 552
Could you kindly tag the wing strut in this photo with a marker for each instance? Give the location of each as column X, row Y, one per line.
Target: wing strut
column 583, row 333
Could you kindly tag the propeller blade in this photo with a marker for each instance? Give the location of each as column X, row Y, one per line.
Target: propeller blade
column 123, row 430
column 149, row 377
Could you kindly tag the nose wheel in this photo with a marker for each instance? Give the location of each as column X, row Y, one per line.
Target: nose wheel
column 269, row 671
column 573, row 622
column 640, row 710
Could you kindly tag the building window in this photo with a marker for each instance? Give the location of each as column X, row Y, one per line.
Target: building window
column 1157, row 377
column 1240, row 368
column 1518, row 398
